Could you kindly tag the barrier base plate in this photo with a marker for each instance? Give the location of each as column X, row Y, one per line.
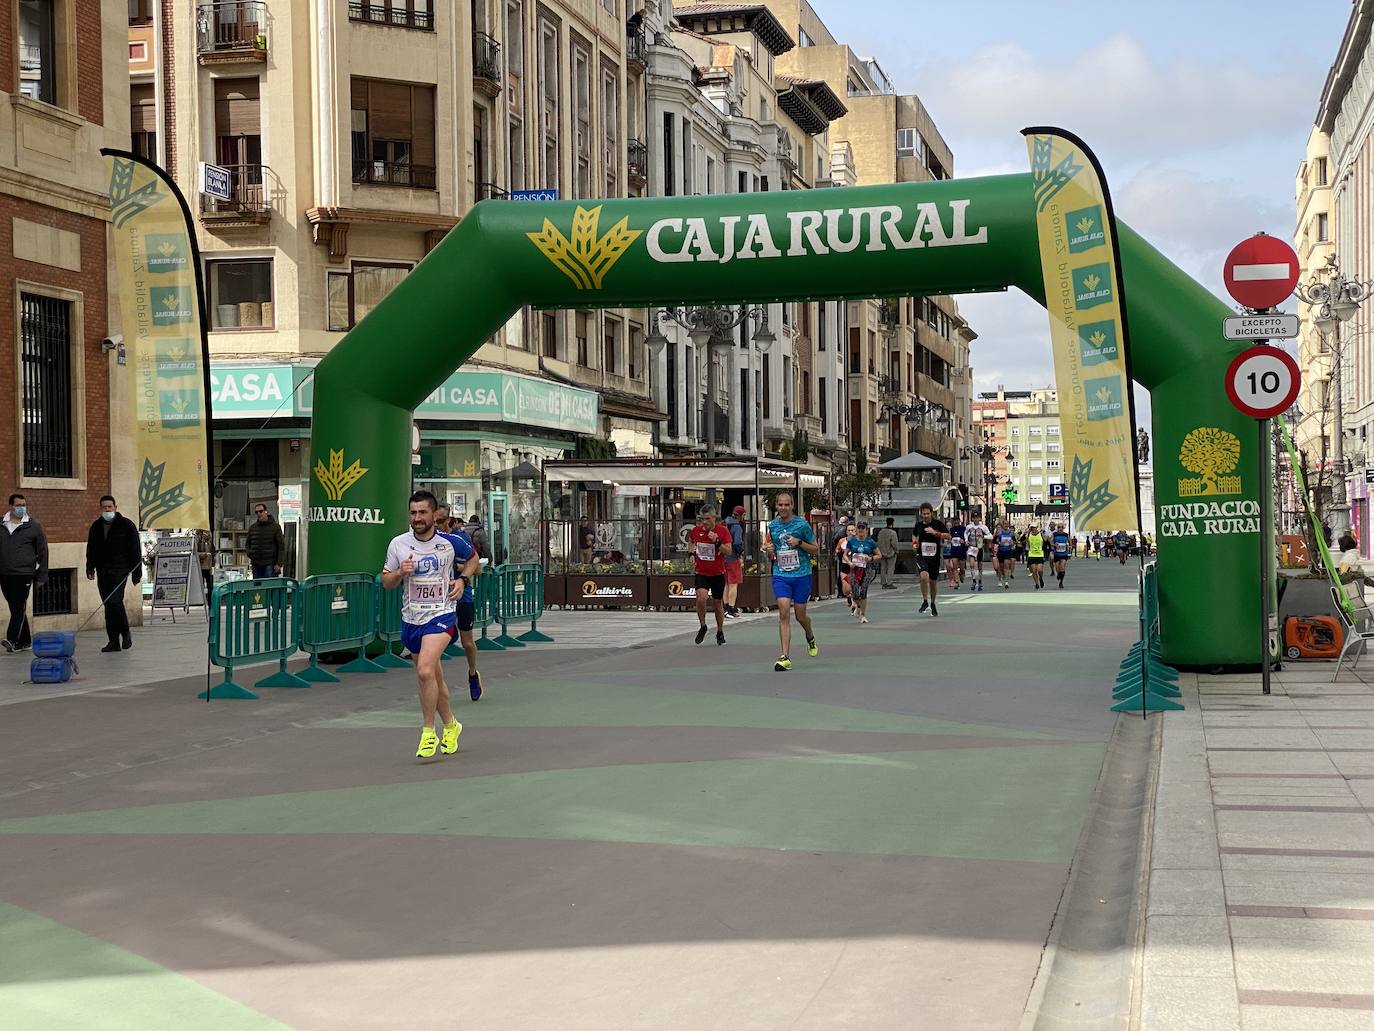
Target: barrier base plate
column 1127, row 687
column 391, row 661
column 486, row 644
column 507, row 641
column 281, row 678
column 535, row 635
column 316, row 675
column 227, row 689
column 361, row 664
column 1150, row 703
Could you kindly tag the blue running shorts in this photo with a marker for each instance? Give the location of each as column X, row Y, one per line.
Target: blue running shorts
column 797, row 588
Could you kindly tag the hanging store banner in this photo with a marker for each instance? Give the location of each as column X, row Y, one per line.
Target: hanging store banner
column 1083, row 295
column 160, row 298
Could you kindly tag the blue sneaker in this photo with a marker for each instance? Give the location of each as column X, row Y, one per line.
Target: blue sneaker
column 475, row 686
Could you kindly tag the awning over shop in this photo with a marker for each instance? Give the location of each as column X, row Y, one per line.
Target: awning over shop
column 912, row 462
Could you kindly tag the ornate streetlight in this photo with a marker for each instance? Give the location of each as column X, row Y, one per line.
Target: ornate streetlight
column 710, row 327
column 1337, row 300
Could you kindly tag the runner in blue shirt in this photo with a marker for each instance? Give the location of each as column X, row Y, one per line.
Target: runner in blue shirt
column 863, row 569
column 1060, row 548
column 790, row 543
column 1005, row 539
column 958, row 552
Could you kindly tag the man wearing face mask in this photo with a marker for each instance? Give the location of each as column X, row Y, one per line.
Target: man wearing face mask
column 114, row 553
column 23, row 563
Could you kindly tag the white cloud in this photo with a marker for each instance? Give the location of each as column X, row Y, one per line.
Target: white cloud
column 1118, row 98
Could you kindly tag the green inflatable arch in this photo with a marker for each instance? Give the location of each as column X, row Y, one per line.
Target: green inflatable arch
column 948, row 237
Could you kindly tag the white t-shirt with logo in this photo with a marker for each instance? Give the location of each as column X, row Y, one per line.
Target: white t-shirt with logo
column 976, row 535
column 437, row 561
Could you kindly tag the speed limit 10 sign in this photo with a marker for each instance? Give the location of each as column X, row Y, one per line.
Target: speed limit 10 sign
column 1262, row 382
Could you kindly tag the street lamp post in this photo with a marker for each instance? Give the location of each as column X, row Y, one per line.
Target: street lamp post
column 1337, row 300
column 709, row 327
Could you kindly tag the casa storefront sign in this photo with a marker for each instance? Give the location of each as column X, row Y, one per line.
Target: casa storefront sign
column 281, row 390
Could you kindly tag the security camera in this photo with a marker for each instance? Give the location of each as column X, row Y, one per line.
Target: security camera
column 114, row 343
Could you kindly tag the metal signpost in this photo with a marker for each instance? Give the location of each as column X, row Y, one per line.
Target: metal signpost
column 1262, row 382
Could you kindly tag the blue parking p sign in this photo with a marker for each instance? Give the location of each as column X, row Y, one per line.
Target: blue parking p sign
column 1059, row 492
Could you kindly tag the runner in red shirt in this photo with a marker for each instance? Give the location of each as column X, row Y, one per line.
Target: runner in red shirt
column 710, row 548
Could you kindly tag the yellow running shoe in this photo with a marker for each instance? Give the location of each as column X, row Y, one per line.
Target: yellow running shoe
column 429, row 743
column 812, row 648
column 783, row 664
column 449, row 743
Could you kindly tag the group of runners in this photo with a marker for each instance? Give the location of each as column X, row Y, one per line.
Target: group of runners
column 436, row 570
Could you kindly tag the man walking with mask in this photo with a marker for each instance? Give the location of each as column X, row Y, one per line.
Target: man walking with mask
column 23, row 563
column 266, row 546
column 114, row 553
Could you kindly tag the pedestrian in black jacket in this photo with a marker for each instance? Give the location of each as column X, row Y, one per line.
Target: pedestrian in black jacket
column 114, row 554
column 23, row 563
column 266, row 546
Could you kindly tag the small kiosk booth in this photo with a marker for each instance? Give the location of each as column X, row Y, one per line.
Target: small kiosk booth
column 616, row 530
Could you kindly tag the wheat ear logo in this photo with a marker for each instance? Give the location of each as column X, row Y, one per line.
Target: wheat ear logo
column 335, row 479
column 586, row 258
column 1085, row 224
column 1098, row 338
column 1090, row 282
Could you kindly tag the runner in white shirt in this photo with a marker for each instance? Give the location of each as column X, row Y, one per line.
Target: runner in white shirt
column 437, row 570
column 976, row 534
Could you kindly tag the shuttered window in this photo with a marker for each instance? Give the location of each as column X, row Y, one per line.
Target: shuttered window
column 393, row 133
column 143, row 120
column 236, row 107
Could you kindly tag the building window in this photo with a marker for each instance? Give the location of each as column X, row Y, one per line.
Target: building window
column 240, row 293
column 38, row 50
column 408, row 14
column 238, row 135
column 143, row 120
column 823, row 395
column 1323, row 227
column 553, row 343
column 582, row 321
column 908, row 143
column 549, row 111
column 354, row 293
column 1321, row 171
column 140, row 12
column 393, row 134
column 1015, row 431
column 47, row 389
column 612, row 348
column 804, row 39
column 610, row 129
column 1036, row 431
column 688, row 158
column 1053, row 463
column 582, row 114
column 635, row 350
column 56, row 597
column 669, row 167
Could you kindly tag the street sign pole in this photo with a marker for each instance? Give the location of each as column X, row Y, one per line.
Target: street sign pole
column 1266, row 551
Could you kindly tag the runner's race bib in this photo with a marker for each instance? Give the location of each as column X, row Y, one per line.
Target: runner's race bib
column 706, row 551
column 427, row 594
column 929, row 549
column 858, row 560
column 789, row 560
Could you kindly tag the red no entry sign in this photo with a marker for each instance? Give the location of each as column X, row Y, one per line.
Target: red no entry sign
column 1262, row 382
column 1261, row 272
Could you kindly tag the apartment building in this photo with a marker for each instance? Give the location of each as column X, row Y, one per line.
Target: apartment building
column 909, row 384
column 724, row 121
column 1025, row 423
column 63, row 96
column 1314, row 241
column 356, row 134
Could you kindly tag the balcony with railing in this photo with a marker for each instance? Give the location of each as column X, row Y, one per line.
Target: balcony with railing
column 637, row 161
column 393, row 173
column 249, row 202
column 396, row 13
column 637, row 48
column 231, row 31
column 486, row 64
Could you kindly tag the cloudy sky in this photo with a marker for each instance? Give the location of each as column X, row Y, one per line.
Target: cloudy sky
column 1199, row 112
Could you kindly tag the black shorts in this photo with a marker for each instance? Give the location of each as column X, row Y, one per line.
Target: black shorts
column 932, row 565
column 1032, row 562
column 714, row 584
column 466, row 615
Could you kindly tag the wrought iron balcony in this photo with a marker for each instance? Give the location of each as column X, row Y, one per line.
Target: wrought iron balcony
column 637, row 160
column 486, row 64
column 637, row 48
column 490, row 191
column 249, row 201
column 231, row 30
column 393, row 173
column 395, row 14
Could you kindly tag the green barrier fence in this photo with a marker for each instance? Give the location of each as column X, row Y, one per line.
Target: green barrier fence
column 1144, row 683
column 389, row 627
column 520, row 596
column 253, row 621
column 484, row 594
column 337, row 612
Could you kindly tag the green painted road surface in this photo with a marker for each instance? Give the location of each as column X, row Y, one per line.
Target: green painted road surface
column 661, row 837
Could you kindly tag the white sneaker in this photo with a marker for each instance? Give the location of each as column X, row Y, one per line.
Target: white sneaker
column 864, row 619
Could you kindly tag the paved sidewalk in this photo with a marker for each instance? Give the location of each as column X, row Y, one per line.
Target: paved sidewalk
column 1261, row 903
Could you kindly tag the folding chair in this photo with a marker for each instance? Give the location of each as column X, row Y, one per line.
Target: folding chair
column 1358, row 615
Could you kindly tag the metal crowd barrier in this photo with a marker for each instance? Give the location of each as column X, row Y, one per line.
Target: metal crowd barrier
column 252, row 621
column 389, row 626
column 520, row 596
column 338, row 611
column 1144, row 683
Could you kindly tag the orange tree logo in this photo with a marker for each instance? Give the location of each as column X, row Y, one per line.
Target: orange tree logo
column 586, row 258
column 1211, row 454
column 334, row 478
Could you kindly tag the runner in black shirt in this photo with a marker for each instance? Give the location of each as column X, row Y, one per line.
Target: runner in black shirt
column 927, row 540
